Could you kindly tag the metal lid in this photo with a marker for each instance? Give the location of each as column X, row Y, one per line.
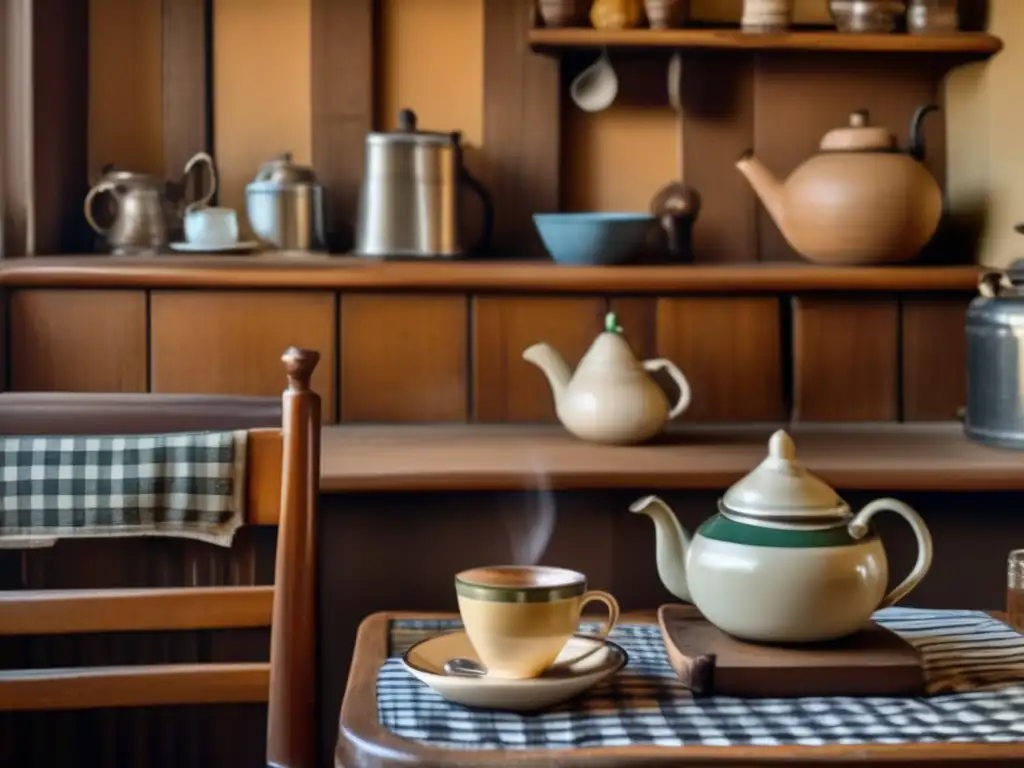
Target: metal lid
column 858, row 136
column 781, row 489
column 1003, row 284
column 407, row 133
column 282, row 172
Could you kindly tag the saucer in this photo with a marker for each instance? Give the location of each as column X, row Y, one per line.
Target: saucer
column 561, row 682
column 240, row 247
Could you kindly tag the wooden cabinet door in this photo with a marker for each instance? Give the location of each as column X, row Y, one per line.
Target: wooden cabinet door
column 77, row 341
column 230, row 342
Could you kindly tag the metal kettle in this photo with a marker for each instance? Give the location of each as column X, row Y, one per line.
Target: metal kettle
column 409, row 201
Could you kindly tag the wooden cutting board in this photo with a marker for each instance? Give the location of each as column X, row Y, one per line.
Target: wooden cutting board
column 873, row 662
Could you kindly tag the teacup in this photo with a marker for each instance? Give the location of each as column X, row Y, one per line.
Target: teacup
column 211, row 226
column 519, row 618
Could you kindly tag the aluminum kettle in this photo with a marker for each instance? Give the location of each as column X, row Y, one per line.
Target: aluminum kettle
column 409, row 201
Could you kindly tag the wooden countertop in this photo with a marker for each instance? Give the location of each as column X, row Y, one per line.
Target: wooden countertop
column 347, row 273
column 468, row 457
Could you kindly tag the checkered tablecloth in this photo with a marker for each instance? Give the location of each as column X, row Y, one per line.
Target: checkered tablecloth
column 974, row 670
column 189, row 485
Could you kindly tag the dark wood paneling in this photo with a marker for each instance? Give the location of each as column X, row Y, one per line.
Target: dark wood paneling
column 729, row 349
column 159, row 737
column 797, row 100
column 404, row 358
column 845, row 359
column 638, row 318
column 521, row 127
column 718, row 126
column 342, row 72
column 230, row 343
column 78, row 341
column 934, row 358
column 186, row 77
column 60, row 116
column 506, row 387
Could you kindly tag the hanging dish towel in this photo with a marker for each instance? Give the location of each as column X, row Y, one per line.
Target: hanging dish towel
column 188, row 485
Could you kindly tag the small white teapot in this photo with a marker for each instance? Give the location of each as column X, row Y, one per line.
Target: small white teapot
column 784, row 560
column 610, row 398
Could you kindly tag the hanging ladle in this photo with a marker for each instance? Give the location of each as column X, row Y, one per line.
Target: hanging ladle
column 596, row 87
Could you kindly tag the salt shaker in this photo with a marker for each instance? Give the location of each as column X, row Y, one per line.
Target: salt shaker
column 767, row 16
column 932, row 17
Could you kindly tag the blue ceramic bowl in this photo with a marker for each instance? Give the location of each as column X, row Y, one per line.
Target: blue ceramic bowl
column 594, row 238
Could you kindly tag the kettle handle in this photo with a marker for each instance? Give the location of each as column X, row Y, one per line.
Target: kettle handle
column 203, row 200
column 858, row 528
column 677, row 376
column 485, row 199
column 103, row 186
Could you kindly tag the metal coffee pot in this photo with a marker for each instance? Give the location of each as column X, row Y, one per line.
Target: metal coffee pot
column 286, row 206
column 409, row 201
column 144, row 211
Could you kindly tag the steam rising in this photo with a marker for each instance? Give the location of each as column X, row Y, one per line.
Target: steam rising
column 530, row 529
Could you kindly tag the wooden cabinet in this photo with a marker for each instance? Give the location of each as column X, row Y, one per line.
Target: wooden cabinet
column 933, row 356
column 230, row 342
column 77, row 340
column 404, row 357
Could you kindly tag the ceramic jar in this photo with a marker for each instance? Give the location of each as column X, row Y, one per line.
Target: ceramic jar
column 767, row 15
column 784, row 560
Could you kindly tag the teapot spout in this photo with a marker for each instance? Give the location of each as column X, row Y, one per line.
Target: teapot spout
column 766, row 186
column 551, row 363
column 672, row 542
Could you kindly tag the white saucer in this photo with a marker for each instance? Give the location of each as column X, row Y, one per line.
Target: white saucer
column 242, row 247
column 561, row 682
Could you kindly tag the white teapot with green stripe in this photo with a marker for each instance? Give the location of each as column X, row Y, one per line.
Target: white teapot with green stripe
column 784, row 560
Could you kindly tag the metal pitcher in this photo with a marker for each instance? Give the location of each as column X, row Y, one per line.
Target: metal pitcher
column 146, row 211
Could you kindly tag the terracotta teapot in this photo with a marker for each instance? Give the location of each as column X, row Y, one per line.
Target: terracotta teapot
column 860, row 200
column 610, row 398
column 784, row 560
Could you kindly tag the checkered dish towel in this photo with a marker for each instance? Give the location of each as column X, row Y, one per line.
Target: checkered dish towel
column 189, row 485
column 974, row 671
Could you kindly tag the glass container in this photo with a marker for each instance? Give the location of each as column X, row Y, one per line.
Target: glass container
column 932, row 17
column 1015, row 590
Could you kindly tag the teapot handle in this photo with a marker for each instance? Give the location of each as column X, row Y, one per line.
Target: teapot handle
column 677, row 376
column 103, row 186
column 858, row 528
column 203, row 200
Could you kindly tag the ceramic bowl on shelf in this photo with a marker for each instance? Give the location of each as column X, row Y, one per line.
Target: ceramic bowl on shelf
column 596, row 238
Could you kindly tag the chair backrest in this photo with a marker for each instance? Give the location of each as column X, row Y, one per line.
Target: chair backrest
column 282, row 487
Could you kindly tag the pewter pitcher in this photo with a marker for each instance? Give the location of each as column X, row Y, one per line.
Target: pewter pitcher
column 146, row 211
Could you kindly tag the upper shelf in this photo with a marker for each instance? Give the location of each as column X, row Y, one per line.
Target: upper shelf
column 978, row 44
column 346, row 273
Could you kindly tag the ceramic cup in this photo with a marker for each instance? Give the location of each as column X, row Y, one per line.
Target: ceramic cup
column 518, row 618
column 215, row 227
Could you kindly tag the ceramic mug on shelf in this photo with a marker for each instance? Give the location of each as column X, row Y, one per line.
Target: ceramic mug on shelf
column 519, row 618
column 211, row 226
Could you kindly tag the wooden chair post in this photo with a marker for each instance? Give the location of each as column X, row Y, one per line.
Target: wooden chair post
column 292, row 720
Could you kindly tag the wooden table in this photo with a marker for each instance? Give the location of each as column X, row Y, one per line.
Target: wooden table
column 364, row 743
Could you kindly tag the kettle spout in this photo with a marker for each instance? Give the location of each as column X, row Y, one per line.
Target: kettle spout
column 551, row 363
column 765, row 185
column 672, row 542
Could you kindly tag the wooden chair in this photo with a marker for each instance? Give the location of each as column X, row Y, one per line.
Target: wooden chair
column 282, row 486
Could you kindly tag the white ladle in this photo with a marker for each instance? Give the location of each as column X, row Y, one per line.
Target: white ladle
column 596, row 87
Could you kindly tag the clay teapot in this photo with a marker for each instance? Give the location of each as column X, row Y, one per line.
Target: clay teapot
column 860, row 200
column 610, row 398
column 784, row 560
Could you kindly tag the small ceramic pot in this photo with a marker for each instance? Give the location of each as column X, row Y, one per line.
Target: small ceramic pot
column 666, row 14
column 563, row 13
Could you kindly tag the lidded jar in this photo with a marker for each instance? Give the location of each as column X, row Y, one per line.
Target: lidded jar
column 286, row 207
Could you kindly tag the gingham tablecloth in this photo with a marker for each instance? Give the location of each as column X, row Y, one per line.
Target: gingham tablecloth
column 974, row 671
column 189, row 484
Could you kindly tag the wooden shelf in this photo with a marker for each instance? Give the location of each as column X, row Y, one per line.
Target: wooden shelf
column 877, row 457
column 979, row 44
column 345, row 273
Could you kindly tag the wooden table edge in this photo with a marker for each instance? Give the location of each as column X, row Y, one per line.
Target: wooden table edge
column 364, row 742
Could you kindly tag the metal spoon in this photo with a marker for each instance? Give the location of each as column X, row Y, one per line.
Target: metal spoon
column 464, row 668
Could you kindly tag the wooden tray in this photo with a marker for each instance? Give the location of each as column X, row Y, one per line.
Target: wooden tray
column 874, row 662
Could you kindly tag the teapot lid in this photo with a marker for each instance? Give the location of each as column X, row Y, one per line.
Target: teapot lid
column 781, row 489
column 408, row 133
column 283, row 172
column 858, row 136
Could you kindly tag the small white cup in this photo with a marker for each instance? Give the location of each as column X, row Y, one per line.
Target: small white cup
column 213, row 227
